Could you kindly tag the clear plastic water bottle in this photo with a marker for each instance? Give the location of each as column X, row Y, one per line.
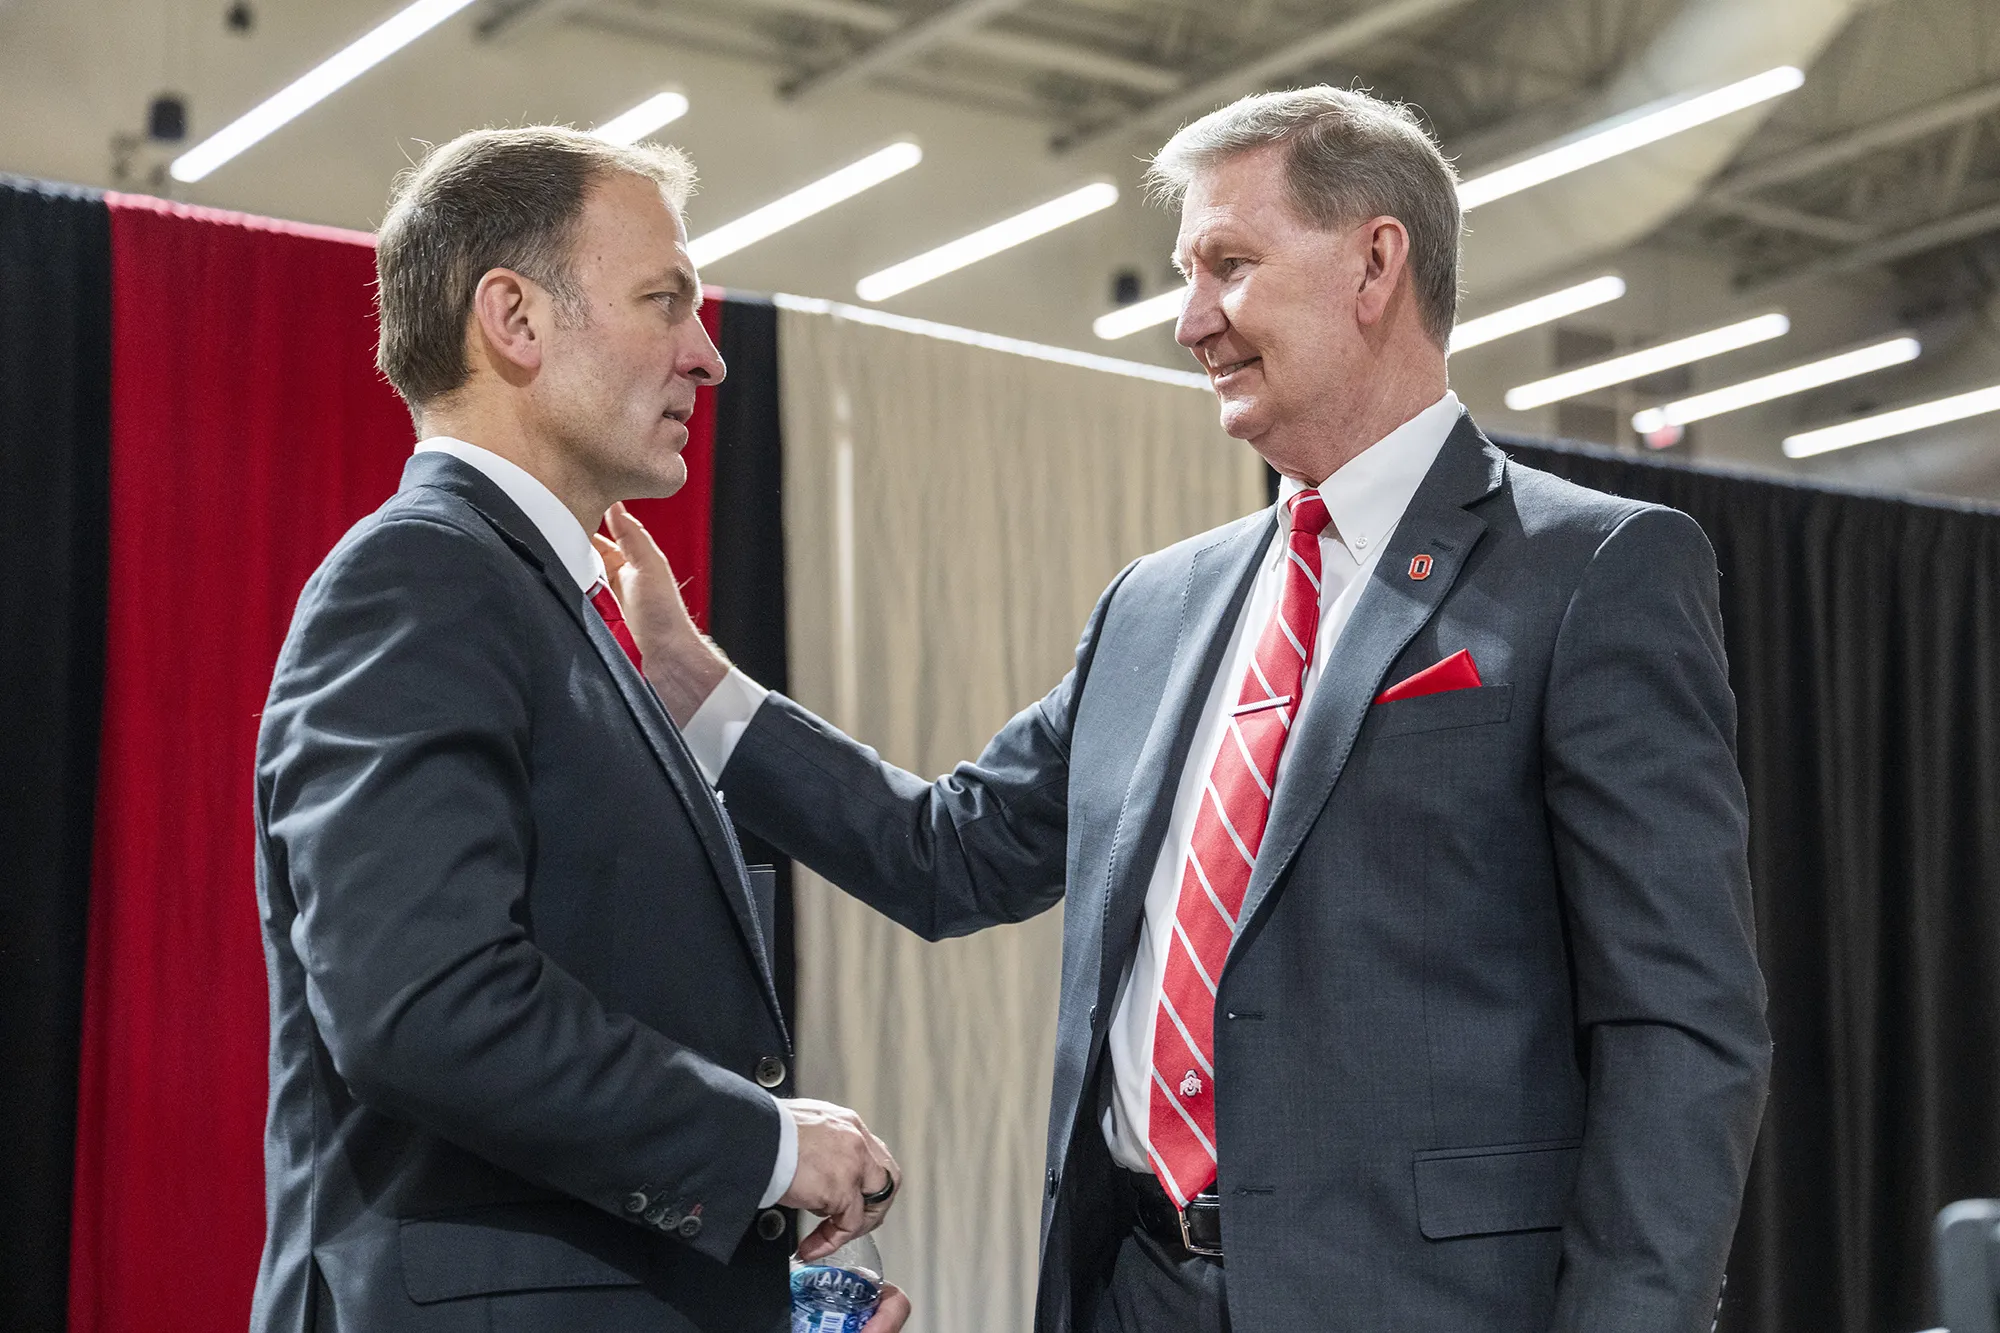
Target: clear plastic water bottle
column 839, row 1293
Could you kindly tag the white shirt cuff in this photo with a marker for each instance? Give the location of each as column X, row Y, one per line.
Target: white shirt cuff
column 719, row 723
column 787, row 1164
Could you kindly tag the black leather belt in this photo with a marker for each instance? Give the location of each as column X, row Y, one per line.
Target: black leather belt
column 1196, row 1228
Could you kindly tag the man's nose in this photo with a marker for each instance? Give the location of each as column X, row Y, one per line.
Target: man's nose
column 1201, row 316
column 705, row 366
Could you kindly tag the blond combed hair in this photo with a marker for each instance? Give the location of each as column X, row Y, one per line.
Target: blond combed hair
column 1349, row 156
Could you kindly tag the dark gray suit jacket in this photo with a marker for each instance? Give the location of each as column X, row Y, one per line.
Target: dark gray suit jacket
column 1490, row 1048
column 520, row 984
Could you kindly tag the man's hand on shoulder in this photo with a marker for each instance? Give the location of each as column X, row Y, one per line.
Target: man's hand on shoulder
column 682, row 663
column 845, row 1175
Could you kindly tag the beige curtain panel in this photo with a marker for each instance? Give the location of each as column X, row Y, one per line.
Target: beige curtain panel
column 952, row 514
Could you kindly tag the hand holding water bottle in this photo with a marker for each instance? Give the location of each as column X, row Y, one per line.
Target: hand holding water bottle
column 844, row 1293
column 845, row 1175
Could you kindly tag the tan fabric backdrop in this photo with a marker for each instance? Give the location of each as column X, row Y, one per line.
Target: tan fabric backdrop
column 952, row 513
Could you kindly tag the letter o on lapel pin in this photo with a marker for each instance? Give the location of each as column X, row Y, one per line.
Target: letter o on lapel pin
column 1420, row 567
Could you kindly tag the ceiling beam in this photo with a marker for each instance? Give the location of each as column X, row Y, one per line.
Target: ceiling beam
column 1350, row 34
column 1040, row 53
column 910, row 40
column 848, row 13
column 688, row 31
column 1845, row 148
column 1779, row 218
column 1903, row 245
column 1008, row 47
column 524, row 18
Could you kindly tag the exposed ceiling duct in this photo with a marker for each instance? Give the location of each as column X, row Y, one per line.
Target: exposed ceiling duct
column 1614, row 204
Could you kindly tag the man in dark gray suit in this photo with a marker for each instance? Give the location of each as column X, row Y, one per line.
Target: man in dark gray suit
column 1409, row 980
column 526, row 1053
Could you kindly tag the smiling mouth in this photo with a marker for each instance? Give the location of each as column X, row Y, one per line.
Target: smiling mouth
column 1224, row 372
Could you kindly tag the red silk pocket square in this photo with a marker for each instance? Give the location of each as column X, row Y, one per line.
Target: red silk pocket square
column 1454, row 673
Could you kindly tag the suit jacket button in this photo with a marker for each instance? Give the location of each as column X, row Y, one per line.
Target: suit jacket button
column 770, row 1072
column 636, row 1201
column 690, row 1228
column 770, row 1224
column 1052, row 1180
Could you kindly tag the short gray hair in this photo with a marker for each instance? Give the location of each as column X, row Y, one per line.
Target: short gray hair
column 1350, row 156
column 500, row 198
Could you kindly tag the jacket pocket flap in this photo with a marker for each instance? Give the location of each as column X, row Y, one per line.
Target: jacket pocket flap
column 1478, row 1191
column 516, row 1247
column 1435, row 712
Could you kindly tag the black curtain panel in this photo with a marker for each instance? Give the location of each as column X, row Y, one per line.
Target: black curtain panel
column 55, row 435
column 746, row 611
column 1864, row 645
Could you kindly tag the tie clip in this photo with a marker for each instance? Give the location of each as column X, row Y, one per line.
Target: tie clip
column 1277, row 701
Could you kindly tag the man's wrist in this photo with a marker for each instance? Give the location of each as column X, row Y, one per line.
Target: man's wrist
column 684, row 672
column 716, row 727
column 786, row 1167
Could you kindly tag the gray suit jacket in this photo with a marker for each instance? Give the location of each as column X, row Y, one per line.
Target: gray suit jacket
column 519, row 979
column 1490, row 1048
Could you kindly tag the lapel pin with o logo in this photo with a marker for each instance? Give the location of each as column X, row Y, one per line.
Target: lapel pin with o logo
column 1420, row 567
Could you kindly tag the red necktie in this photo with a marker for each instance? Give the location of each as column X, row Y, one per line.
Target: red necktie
column 607, row 606
column 1228, row 830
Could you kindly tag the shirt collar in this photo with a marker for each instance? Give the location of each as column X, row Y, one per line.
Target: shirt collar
column 1366, row 497
column 550, row 516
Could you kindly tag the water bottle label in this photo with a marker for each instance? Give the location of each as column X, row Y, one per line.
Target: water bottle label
column 829, row 1321
column 832, row 1300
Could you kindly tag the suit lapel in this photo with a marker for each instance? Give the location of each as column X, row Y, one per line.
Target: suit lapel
column 1218, row 579
column 1393, row 607
column 662, row 737
column 688, row 783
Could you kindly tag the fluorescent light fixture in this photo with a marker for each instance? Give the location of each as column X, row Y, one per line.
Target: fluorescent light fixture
column 1588, row 147
column 803, row 202
column 1541, row 310
column 987, row 241
column 656, row 111
column 1527, row 315
column 300, row 96
column 1860, row 361
column 1129, row 319
column 1623, row 134
column 1651, row 360
column 1899, row 422
column 924, row 328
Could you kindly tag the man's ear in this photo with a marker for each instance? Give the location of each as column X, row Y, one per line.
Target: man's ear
column 1385, row 256
column 509, row 315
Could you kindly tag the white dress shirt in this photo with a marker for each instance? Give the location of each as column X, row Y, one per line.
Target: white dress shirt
column 1366, row 499
column 580, row 560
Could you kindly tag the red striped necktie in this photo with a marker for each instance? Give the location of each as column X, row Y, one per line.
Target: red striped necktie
column 1228, row 830
column 607, row 606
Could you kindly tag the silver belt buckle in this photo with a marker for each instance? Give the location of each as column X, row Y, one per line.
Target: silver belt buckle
column 1188, row 1240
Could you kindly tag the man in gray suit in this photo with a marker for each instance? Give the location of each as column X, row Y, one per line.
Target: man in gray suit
column 526, row 1053
column 1409, row 980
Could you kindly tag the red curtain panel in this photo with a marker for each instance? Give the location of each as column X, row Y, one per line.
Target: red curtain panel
column 249, row 433
column 681, row 523
column 249, row 430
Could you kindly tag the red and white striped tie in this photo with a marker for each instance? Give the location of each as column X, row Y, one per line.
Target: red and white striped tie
column 1228, row 830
